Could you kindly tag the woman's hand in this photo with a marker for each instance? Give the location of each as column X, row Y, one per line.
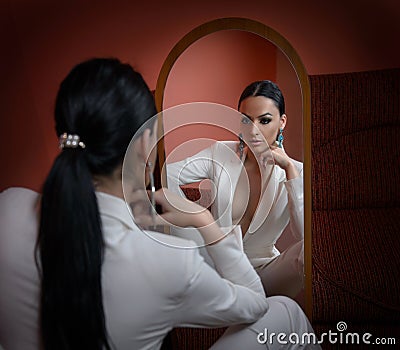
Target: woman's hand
column 275, row 155
column 177, row 211
column 282, row 160
column 280, row 157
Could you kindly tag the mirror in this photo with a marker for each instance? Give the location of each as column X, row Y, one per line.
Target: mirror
column 267, row 55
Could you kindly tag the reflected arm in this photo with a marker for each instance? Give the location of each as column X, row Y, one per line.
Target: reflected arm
column 295, row 191
column 192, row 169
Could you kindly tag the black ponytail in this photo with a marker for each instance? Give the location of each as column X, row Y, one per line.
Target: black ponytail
column 104, row 102
column 71, row 250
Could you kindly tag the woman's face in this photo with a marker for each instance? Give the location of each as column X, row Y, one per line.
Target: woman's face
column 261, row 120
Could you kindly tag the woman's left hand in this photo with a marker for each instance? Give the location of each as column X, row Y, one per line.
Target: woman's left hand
column 280, row 157
column 283, row 160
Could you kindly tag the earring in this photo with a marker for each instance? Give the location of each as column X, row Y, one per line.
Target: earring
column 280, row 138
column 241, row 146
column 152, row 190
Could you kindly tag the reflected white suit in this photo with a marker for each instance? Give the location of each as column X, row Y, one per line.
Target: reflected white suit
column 148, row 286
column 281, row 206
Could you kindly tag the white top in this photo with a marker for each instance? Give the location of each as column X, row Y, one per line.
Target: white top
column 281, row 202
column 148, row 287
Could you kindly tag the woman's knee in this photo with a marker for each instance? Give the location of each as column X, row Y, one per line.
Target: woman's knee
column 284, row 300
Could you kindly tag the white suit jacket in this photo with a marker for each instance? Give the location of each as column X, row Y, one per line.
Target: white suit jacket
column 281, row 202
column 148, row 286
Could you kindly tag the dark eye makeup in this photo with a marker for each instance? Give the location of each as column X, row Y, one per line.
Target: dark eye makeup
column 265, row 121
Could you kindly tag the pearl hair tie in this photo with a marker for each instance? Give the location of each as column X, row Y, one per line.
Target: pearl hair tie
column 70, row 141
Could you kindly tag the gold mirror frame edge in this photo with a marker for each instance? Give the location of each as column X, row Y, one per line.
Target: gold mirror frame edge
column 252, row 26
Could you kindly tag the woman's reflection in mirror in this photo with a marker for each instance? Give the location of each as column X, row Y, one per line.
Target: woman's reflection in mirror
column 264, row 206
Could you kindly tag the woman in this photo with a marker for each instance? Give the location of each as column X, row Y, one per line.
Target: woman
column 99, row 282
column 272, row 202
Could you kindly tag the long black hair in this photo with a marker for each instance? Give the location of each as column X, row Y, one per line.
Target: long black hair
column 265, row 88
column 104, row 102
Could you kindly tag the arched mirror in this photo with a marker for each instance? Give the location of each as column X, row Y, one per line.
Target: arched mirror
column 213, row 63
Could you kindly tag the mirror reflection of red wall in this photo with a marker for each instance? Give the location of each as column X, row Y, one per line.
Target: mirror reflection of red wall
column 216, row 68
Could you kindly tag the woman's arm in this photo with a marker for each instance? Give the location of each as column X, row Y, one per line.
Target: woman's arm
column 294, row 189
column 295, row 195
column 223, row 245
column 230, row 294
column 232, row 263
column 209, row 300
column 192, row 169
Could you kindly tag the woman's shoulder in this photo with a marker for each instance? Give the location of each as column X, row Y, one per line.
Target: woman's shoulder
column 16, row 197
column 169, row 241
column 19, row 209
column 17, row 192
column 225, row 149
column 168, row 248
column 176, row 259
column 224, row 145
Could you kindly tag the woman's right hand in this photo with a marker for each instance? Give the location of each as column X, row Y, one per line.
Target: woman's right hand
column 176, row 210
column 181, row 212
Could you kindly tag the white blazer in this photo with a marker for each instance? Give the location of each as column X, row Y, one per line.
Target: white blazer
column 281, row 202
column 148, row 286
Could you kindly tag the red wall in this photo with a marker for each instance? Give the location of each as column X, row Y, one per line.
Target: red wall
column 215, row 69
column 41, row 40
column 218, row 66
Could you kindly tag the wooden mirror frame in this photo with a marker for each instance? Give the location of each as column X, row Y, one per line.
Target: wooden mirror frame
column 249, row 25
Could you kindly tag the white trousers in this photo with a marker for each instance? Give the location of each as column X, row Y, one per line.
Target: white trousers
column 284, row 317
column 285, row 274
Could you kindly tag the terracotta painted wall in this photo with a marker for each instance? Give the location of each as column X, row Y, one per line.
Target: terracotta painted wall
column 214, row 69
column 289, row 84
column 218, row 66
column 41, row 40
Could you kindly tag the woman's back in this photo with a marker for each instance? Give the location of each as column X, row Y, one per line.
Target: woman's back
column 19, row 279
column 149, row 287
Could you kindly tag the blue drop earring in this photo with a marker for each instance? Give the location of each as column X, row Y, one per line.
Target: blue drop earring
column 280, row 138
